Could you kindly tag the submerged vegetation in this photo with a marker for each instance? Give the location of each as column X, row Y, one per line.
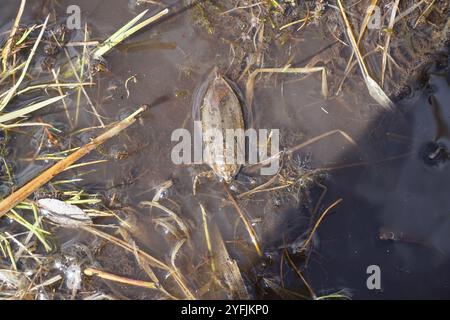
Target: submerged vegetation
column 100, row 248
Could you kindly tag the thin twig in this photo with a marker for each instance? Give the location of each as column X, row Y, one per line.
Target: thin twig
column 9, row 42
column 207, row 237
column 388, row 40
column 370, row 9
column 109, row 276
column 373, row 87
column 12, row 91
column 313, row 231
column 300, row 275
column 244, row 219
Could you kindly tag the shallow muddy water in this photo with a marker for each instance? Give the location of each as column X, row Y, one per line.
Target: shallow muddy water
column 394, row 182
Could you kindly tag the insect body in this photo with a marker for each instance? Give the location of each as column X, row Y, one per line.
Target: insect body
column 219, row 110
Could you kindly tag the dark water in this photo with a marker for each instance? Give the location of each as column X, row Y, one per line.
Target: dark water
column 406, row 195
column 394, row 184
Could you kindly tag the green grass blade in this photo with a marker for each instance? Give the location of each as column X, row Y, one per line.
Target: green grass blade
column 25, row 35
column 12, row 91
column 107, row 44
column 125, row 32
column 23, row 111
column 38, row 232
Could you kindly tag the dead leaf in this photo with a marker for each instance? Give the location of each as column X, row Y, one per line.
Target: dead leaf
column 63, row 213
